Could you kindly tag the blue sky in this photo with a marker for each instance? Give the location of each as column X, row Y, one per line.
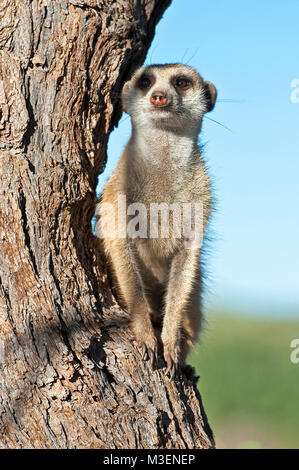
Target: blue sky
column 249, row 50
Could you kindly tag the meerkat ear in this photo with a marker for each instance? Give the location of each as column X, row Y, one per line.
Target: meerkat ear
column 210, row 94
column 124, row 95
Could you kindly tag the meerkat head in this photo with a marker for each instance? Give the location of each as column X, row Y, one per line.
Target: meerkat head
column 170, row 96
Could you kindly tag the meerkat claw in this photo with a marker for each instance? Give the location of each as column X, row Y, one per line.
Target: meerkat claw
column 149, row 353
column 151, row 356
column 170, row 370
column 172, row 367
column 144, row 352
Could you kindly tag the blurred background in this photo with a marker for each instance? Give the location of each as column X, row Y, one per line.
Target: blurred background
column 249, row 386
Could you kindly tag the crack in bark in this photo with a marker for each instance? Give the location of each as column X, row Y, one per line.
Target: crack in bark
column 30, row 323
column 64, row 334
column 22, row 205
column 177, row 426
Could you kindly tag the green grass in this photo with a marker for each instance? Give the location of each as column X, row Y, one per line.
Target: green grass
column 249, row 386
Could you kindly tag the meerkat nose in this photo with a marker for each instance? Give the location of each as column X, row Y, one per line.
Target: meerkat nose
column 159, row 98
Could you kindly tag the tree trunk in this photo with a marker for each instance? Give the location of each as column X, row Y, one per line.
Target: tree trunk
column 71, row 375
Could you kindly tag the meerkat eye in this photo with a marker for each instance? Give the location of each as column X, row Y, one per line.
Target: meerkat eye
column 144, row 83
column 183, row 82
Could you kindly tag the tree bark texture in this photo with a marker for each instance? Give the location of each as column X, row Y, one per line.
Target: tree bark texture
column 71, row 375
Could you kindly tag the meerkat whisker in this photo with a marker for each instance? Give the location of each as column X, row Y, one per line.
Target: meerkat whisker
column 220, row 124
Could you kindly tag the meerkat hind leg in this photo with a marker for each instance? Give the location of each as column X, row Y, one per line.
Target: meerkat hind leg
column 128, row 275
column 191, row 323
column 181, row 279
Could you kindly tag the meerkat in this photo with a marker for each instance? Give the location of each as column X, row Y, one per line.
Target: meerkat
column 159, row 277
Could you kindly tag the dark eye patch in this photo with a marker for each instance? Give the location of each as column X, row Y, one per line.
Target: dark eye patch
column 144, row 82
column 182, row 82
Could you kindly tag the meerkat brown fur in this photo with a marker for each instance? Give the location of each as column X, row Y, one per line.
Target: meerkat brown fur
column 159, row 277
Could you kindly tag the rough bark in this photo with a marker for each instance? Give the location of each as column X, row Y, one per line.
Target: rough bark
column 71, row 375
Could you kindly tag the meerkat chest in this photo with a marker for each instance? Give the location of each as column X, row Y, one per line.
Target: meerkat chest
column 160, row 169
column 157, row 211
column 164, row 183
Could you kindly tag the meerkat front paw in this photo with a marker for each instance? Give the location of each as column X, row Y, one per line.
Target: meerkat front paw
column 144, row 335
column 172, row 359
